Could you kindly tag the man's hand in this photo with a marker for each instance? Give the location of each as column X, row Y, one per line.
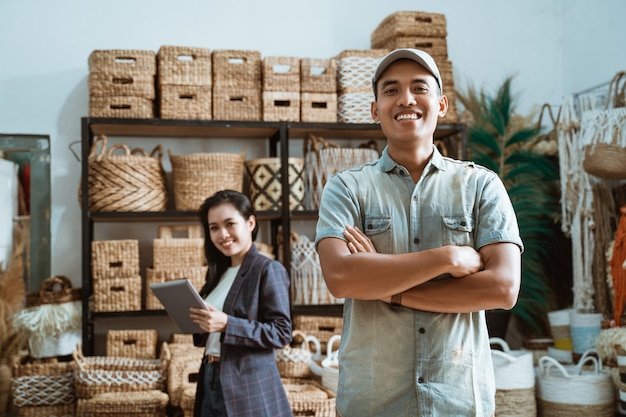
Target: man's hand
column 358, row 241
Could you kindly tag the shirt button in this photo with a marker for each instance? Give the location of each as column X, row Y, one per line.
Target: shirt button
column 416, row 241
column 420, row 380
column 370, row 226
column 422, row 330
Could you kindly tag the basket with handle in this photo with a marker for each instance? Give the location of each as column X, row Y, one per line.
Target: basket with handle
column 178, row 246
column 574, row 391
column 132, row 181
column 293, row 362
column 38, row 383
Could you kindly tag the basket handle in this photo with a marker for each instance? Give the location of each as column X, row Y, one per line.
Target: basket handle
column 115, row 148
column 586, row 357
column 314, row 143
column 48, row 287
column 193, row 231
column 93, row 152
column 329, row 347
column 77, row 355
column 297, row 334
column 614, row 90
column 318, row 347
column 547, row 362
column 158, row 151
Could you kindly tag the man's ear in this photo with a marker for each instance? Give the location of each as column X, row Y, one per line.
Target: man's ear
column 443, row 105
column 374, row 112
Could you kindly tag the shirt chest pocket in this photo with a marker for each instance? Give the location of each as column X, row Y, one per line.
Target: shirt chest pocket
column 378, row 229
column 458, row 230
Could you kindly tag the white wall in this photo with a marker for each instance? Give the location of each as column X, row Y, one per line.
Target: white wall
column 553, row 48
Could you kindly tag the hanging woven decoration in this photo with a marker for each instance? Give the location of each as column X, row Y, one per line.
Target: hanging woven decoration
column 618, row 268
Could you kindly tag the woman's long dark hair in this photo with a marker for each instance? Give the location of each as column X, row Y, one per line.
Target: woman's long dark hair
column 217, row 262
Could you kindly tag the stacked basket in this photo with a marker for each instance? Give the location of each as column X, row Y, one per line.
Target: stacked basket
column 318, row 90
column 176, row 257
column 281, row 89
column 425, row 31
column 355, row 69
column 121, row 83
column 184, row 83
column 116, row 276
column 131, row 343
column 236, row 85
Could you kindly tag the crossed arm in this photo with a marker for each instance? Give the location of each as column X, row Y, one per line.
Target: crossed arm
column 481, row 280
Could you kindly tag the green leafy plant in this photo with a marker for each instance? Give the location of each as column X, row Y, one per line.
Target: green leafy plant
column 502, row 140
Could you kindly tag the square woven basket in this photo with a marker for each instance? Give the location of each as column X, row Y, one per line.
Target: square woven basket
column 39, row 383
column 152, row 403
column 281, row 106
column 117, row 294
column 318, row 107
column 121, row 107
column 281, row 73
column 186, row 102
column 178, row 247
column 132, row 343
column 232, row 103
column 183, row 65
column 318, row 75
column 409, row 23
column 114, row 258
column 106, row 84
column 239, row 69
column 355, row 69
column 436, row 47
column 123, row 61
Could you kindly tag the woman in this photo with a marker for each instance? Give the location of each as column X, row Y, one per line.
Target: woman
column 249, row 316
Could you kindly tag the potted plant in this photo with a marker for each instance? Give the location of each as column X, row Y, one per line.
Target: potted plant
column 505, row 142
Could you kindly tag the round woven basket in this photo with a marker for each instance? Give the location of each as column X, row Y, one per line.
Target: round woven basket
column 605, row 160
column 293, row 362
column 198, row 176
column 133, row 181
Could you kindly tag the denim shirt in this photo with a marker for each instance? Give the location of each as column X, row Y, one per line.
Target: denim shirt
column 395, row 361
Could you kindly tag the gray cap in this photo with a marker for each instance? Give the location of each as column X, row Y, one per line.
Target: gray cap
column 417, row 55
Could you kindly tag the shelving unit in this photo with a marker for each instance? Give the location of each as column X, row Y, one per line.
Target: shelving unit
column 276, row 134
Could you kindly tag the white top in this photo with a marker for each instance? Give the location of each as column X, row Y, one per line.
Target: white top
column 216, row 298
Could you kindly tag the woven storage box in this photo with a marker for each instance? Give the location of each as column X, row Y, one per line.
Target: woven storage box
column 239, row 69
column 133, row 181
column 114, row 258
column 68, row 410
column 355, row 69
column 281, row 74
column 354, row 107
column 281, row 106
column 198, row 176
column 183, row 65
column 106, row 84
column 117, row 294
column 318, row 107
column 447, row 76
column 318, row 75
column 186, row 102
column 182, row 374
column 195, row 274
column 324, row 158
column 121, row 107
column 232, row 103
column 123, row 61
column 266, row 183
column 292, row 361
column 436, row 47
column 409, row 23
column 139, row 344
column 308, row 398
column 151, row 403
column 43, row 383
column 180, row 339
column 187, row 401
column 100, row 374
column 178, row 247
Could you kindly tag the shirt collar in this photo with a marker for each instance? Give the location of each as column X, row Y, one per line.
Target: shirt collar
column 388, row 164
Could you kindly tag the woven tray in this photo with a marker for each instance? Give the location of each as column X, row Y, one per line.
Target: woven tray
column 280, row 73
column 43, row 383
column 200, row 175
column 183, row 65
column 123, row 60
column 309, row 398
column 318, row 107
column 139, row 344
column 114, row 258
column 121, row 107
column 239, row 69
column 144, row 403
column 280, row 106
column 318, row 75
column 117, row 294
column 132, row 181
column 409, row 23
column 185, row 102
column 102, row 374
column 178, row 247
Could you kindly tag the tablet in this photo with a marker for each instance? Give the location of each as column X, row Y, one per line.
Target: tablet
column 177, row 297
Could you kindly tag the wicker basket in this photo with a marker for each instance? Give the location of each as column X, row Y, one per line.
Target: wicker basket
column 198, row 176
column 152, row 403
column 318, row 75
column 133, row 181
column 182, row 65
column 67, row 410
column 138, row 344
column 266, row 183
column 171, row 251
column 185, row 102
column 355, row 69
column 409, row 23
column 293, row 362
column 354, row 107
column 308, row 398
column 280, row 106
column 320, row 327
column 43, row 383
column 195, row 274
column 188, row 401
column 105, row 84
column 121, row 107
column 281, row 74
column 232, row 103
column 437, row 47
column 238, row 69
column 114, row 258
column 123, row 61
column 324, row 158
column 101, row 374
column 117, row 294
column 318, row 107
column 182, row 374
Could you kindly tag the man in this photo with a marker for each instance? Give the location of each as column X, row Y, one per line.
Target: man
column 441, row 245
